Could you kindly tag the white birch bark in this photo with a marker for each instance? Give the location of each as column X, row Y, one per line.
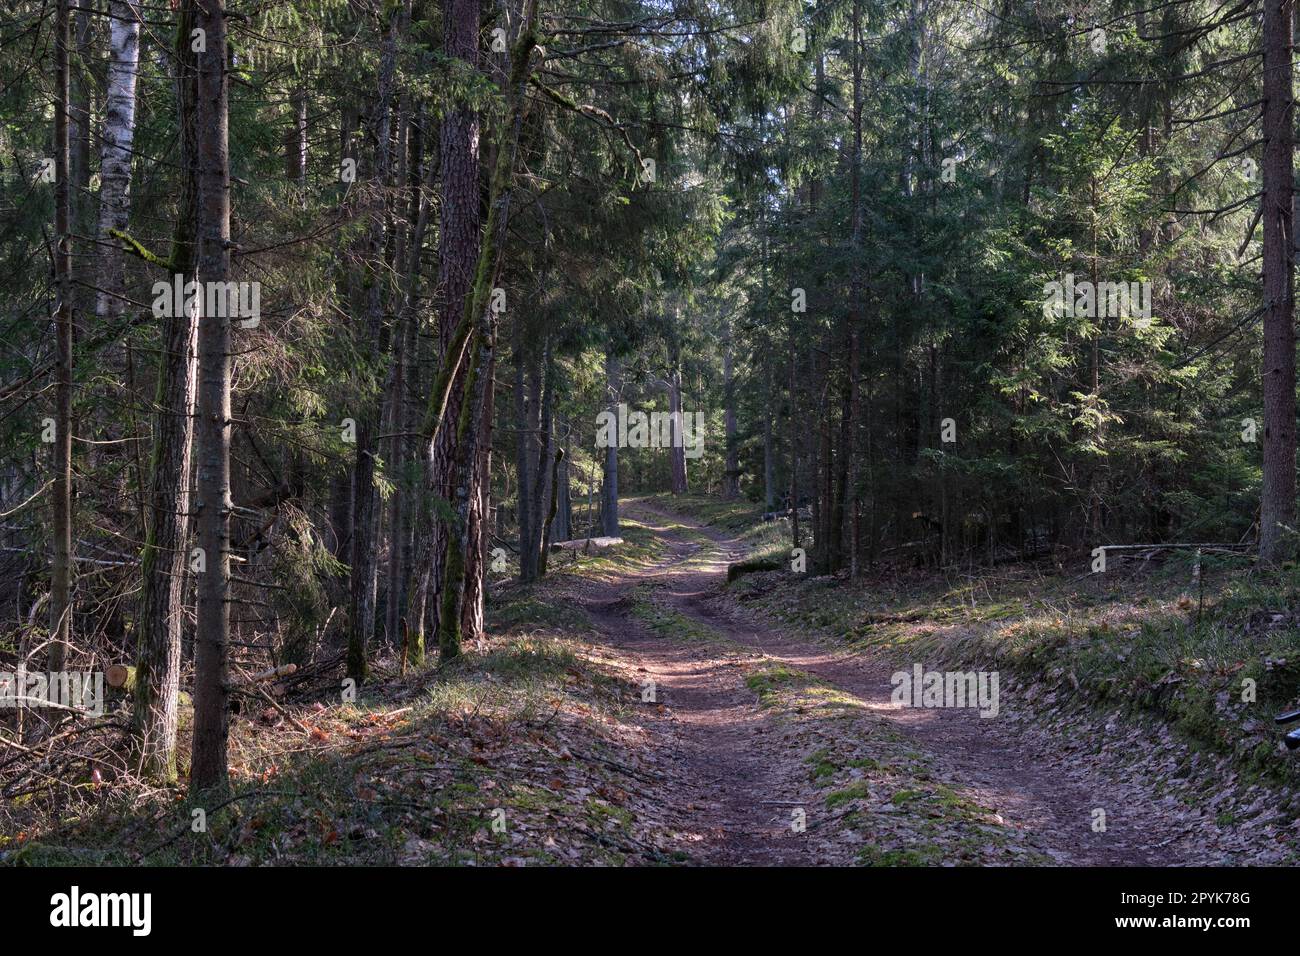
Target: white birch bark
column 115, row 156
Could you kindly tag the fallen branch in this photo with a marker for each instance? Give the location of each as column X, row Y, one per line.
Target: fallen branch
column 251, row 682
column 284, row 670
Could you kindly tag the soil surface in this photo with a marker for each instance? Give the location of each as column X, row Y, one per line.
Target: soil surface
column 736, row 771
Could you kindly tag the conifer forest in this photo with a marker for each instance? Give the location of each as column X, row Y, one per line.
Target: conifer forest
column 628, row 433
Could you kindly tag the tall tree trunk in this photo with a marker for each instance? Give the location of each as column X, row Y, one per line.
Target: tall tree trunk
column 563, row 522
column 731, row 471
column 79, row 126
column 115, row 157
column 208, row 768
column 551, row 512
column 839, row 481
column 341, row 514
column 545, row 457
column 795, row 429
column 677, row 452
column 769, row 462
column 1277, row 504
column 458, row 252
column 404, row 370
column 609, row 484
column 523, row 456
column 852, row 411
column 414, row 349
column 825, row 470
column 473, row 618
column 365, row 501
column 61, row 492
column 480, row 317
column 165, row 557
column 477, row 384
column 295, row 139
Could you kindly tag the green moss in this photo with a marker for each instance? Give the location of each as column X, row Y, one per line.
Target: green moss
column 857, row 790
column 905, row 796
column 665, row 620
column 823, row 770
column 599, row 811
column 772, row 681
column 924, row 855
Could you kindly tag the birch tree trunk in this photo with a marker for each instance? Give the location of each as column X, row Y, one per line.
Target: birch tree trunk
column 295, row 139
column 115, row 155
column 80, row 108
column 541, row 496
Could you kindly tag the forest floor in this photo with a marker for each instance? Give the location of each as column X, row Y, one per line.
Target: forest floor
column 636, row 708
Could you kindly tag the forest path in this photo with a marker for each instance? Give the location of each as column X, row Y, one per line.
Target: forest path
column 732, row 774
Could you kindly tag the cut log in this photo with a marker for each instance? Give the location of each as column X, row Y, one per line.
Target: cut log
column 121, row 677
column 284, row 670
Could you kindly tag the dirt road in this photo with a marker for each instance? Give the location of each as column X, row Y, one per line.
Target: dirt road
column 750, row 777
